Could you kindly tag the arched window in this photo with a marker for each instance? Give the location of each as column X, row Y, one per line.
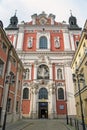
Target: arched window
column 43, row 72
column 61, row 93
column 43, row 43
column 25, row 93
column 43, row 94
column 59, row 74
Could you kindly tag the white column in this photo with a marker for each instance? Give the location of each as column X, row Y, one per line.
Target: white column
column 15, row 39
column 5, row 95
column 35, row 72
column 20, row 113
column 34, row 104
column 50, row 71
column 20, row 40
column 70, row 91
column 54, row 104
column 15, row 96
column 72, row 42
column 31, row 103
column 66, row 41
column 50, row 111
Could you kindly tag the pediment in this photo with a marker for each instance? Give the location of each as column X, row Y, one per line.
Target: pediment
column 43, row 59
column 43, row 20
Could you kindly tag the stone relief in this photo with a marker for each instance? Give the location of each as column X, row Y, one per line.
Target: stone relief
column 43, row 72
column 57, row 42
column 30, row 42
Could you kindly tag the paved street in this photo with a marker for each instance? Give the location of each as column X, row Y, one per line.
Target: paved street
column 38, row 125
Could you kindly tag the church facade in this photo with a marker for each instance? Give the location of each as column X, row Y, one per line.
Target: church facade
column 46, row 48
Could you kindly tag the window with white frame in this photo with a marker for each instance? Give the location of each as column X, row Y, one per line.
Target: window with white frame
column 30, row 42
column 43, row 93
column 57, row 42
column 43, row 42
column 59, row 74
column 1, row 67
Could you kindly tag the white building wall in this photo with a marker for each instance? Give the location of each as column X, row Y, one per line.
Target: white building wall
column 70, row 91
column 20, row 40
column 50, row 70
column 5, row 94
column 72, row 42
column 15, row 39
column 66, row 41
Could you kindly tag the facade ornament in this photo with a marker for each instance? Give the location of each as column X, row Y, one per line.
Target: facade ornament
column 57, row 42
column 30, row 42
column 43, row 72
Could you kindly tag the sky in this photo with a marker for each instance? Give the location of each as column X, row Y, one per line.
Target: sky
column 60, row 8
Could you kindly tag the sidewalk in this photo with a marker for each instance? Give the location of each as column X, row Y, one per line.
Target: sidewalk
column 39, row 124
column 67, row 126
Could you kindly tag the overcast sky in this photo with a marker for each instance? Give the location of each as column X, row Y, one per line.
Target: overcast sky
column 60, row 8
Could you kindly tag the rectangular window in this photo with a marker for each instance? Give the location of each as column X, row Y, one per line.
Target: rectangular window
column 61, row 107
column 13, row 78
column 13, row 61
column 1, row 67
column 19, row 84
column 4, row 47
column 9, row 105
column 77, row 43
column 17, row 106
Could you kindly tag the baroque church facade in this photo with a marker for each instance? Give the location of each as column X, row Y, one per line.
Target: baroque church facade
column 46, row 48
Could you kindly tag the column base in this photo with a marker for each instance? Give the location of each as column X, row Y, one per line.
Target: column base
column 52, row 115
column 34, row 115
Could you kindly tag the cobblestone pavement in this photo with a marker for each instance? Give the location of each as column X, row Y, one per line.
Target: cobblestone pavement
column 38, row 125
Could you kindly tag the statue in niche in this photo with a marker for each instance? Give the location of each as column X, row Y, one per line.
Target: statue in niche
column 30, row 42
column 59, row 74
column 43, row 72
column 57, row 42
column 27, row 74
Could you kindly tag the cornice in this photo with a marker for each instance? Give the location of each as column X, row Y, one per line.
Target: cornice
column 62, row 53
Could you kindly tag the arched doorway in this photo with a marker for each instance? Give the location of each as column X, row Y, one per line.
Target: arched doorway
column 43, row 104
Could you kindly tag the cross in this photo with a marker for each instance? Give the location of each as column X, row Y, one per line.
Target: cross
column 15, row 12
column 71, row 12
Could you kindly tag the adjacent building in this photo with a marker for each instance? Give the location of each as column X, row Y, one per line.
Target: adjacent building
column 46, row 48
column 80, row 62
column 11, row 73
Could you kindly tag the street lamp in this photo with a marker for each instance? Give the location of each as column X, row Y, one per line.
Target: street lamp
column 10, row 79
column 78, row 77
column 67, row 120
column 7, row 82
